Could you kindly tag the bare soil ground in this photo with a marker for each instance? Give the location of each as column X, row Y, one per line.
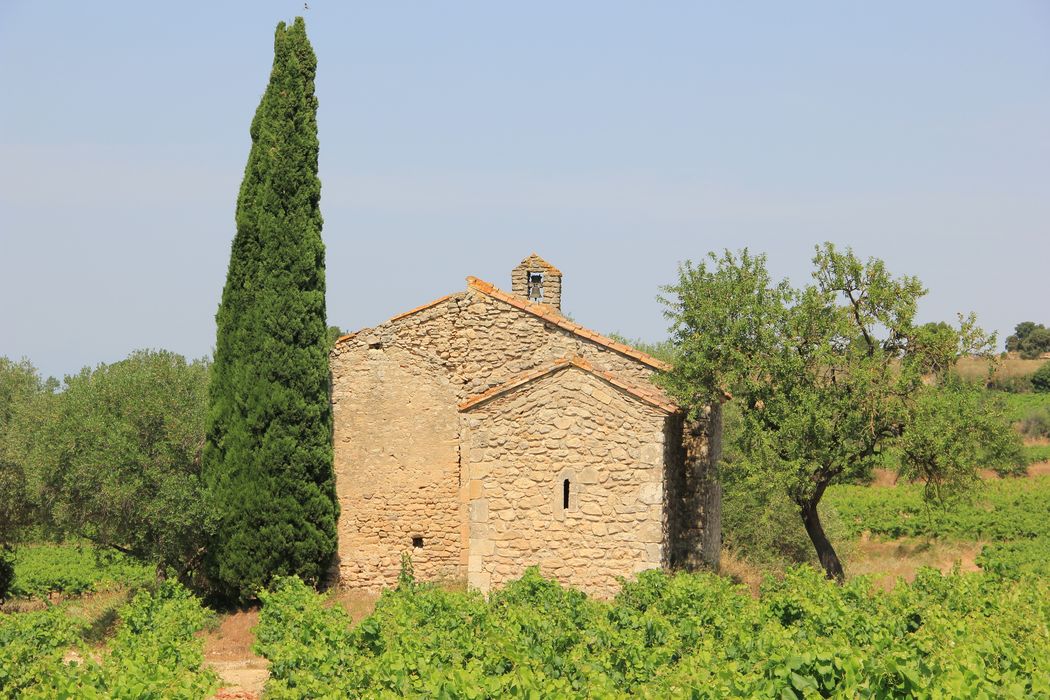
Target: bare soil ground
column 358, row 605
column 228, row 646
column 228, row 651
column 1039, row 469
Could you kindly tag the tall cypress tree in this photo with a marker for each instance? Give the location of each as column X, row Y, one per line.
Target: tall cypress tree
column 268, row 457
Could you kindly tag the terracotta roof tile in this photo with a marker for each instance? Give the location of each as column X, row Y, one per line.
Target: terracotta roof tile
column 649, row 395
column 549, row 314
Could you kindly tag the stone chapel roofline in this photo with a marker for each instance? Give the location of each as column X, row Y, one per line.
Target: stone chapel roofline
column 551, row 316
column 650, row 396
column 543, row 311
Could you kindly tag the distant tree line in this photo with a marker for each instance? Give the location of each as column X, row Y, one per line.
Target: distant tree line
column 1029, row 339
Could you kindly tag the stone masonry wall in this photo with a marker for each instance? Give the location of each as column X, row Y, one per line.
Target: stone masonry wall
column 518, row 450
column 480, row 342
column 399, row 438
column 498, row 341
column 519, row 280
column 396, row 443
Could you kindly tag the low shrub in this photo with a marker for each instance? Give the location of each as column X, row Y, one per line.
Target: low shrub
column 1036, row 422
column 1010, row 384
column 681, row 636
column 155, row 653
column 73, row 569
column 1041, row 379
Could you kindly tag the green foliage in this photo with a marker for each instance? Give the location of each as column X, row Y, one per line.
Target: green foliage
column 1020, row 406
column 952, row 429
column 1040, row 379
column 73, row 569
column 1017, row 558
column 661, row 350
column 760, row 522
column 334, row 334
column 116, row 457
column 268, row 457
column 1014, row 384
column 1037, row 453
column 155, row 653
column 827, row 377
column 1029, row 339
column 1001, row 509
column 20, row 389
column 693, row 636
column 31, row 649
column 1036, row 423
column 1009, row 512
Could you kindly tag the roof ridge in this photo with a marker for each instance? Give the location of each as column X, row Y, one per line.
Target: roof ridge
column 548, row 313
column 536, row 258
column 400, row 316
column 530, row 375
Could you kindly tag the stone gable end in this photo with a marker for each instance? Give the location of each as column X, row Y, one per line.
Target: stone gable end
column 565, row 472
column 481, row 433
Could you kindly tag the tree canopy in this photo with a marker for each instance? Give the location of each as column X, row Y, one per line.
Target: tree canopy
column 829, row 376
column 1030, row 339
column 268, row 457
column 116, row 458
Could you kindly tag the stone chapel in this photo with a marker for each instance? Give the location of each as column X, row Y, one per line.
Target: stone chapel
column 485, row 432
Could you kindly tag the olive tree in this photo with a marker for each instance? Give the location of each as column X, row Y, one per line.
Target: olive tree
column 114, row 457
column 829, row 376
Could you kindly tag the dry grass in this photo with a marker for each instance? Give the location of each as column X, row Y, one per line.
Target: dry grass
column 883, row 478
column 976, row 368
column 741, row 571
column 888, row 560
column 357, row 604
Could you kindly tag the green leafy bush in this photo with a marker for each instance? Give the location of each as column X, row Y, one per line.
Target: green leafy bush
column 1012, row 384
column 73, row 569
column 1017, row 558
column 1041, row 379
column 692, row 636
column 1036, row 422
column 155, row 653
column 1004, row 509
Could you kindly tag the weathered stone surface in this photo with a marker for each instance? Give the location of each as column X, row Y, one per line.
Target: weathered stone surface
column 482, row 488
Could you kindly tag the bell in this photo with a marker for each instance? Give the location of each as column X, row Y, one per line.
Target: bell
column 535, row 286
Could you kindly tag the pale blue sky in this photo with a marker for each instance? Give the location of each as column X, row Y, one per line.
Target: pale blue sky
column 612, row 138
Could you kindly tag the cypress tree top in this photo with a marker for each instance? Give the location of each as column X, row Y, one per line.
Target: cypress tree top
column 268, row 459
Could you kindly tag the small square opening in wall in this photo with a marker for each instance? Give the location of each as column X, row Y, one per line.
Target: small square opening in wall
column 417, row 542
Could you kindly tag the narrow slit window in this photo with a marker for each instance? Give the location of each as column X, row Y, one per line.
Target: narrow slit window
column 565, row 494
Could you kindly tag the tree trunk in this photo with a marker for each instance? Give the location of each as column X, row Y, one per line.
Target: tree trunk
column 825, row 552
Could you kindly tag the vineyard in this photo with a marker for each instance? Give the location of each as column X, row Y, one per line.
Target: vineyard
column 73, row 569
column 691, row 636
column 983, row 634
column 1010, row 514
column 154, row 653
